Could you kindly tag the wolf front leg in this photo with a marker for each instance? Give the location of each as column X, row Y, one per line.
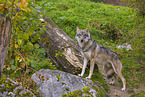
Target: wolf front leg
column 84, row 67
column 91, row 68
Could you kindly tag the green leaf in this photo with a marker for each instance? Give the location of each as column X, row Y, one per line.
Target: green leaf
column 41, row 30
column 33, row 62
column 13, row 67
column 44, row 29
column 26, row 36
column 19, row 41
column 11, row 61
column 36, row 46
column 42, row 50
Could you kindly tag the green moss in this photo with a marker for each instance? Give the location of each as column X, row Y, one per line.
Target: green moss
column 64, row 95
column 67, row 89
column 3, row 79
column 58, row 54
column 63, row 83
column 130, row 91
column 10, row 88
column 86, row 89
column 139, row 94
column 78, row 92
column 18, row 91
column 85, row 92
column 100, row 93
column 58, row 77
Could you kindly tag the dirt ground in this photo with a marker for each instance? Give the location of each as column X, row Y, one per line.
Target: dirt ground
column 116, row 88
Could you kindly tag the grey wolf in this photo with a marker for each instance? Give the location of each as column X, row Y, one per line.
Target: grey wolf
column 98, row 54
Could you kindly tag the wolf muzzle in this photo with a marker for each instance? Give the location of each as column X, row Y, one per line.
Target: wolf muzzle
column 82, row 40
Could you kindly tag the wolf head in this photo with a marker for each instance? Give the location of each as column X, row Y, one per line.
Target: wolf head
column 82, row 36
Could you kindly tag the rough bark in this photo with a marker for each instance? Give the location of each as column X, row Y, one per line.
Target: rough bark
column 5, row 28
column 63, row 50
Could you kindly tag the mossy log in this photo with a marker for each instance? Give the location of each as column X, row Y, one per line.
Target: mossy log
column 5, row 29
column 63, row 50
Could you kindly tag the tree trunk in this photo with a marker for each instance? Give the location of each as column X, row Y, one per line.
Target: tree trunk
column 5, row 29
column 63, row 50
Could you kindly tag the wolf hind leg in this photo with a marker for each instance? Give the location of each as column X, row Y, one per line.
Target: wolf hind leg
column 110, row 74
column 113, row 80
column 109, row 71
column 123, row 80
column 117, row 70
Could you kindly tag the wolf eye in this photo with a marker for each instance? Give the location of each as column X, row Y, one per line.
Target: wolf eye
column 78, row 35
column 85, row 36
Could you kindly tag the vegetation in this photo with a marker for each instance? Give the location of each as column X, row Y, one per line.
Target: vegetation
column 85, row 92
column 105, row 23
column 139, row 4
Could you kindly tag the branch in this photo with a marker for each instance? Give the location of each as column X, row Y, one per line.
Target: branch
column 23, row 59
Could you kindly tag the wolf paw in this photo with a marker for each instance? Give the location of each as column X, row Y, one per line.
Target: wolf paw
column 80, row 75
column 123, row 89
column 112, row 83
column 88, row 77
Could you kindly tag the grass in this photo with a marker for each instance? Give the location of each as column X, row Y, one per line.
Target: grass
column 68, row 14
column 102, row 20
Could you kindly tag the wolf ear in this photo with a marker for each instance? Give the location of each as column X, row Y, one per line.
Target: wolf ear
column 78, row 29
column 87, row 30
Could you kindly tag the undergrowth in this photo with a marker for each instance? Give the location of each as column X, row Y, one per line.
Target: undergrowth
column 109, row 25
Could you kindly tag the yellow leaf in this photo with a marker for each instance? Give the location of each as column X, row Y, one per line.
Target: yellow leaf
column 29, row 43
column 16, row 45
column 23, row 9
column 8, row 68
column 9, row 2
column 11, row 45
column 17, row 57
column 22, row 65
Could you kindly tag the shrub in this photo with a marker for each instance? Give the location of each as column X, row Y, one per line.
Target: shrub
column 112, row 31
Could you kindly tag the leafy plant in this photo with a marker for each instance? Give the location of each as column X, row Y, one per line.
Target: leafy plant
column 25, row 55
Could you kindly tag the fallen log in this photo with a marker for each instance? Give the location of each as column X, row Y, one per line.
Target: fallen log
column 60, row 48
column 5, row 29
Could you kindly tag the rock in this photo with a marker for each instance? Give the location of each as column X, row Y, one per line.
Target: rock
column 9, row 88
column 126, row 46
column 54, row 83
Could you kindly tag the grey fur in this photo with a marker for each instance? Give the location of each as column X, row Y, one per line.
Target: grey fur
column 98, row 54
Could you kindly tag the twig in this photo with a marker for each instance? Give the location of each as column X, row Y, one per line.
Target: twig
column 25, row 62
column 23, row 59
column 17, row 70
column 32, row 69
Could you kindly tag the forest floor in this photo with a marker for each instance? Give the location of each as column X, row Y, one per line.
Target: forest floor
column 115, row 90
